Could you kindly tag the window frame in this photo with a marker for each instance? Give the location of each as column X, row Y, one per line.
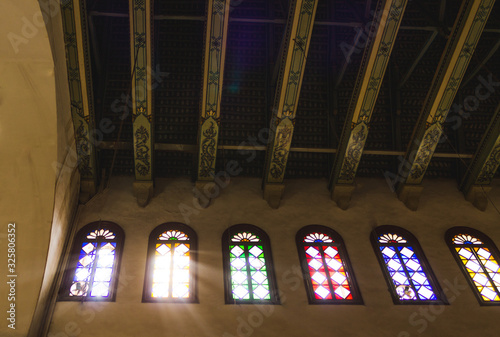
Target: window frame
column 72, row 262
column 193, row 264
column 487, row 242
column 266, row 247
column 339, row 244
column 412, row 241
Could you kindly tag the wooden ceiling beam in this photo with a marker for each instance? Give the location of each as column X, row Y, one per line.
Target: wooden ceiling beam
column 141, row 41
column 297, row 39
column 381, row 38
column 483, row 167
column 74, row 18
column 213, row 76
column 427, row 133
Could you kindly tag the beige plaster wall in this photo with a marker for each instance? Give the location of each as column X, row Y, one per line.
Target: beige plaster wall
column 305, row 202
column 35, row 142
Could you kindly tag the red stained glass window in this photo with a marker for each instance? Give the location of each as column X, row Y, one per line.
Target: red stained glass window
column 327, row 272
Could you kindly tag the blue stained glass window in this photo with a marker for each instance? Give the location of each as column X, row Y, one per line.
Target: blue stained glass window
column 407, row 270
column 94, row 263
column 407, row 273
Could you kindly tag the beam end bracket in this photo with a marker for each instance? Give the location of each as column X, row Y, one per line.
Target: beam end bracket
column 205, row 192
column 342, row 194
column 143, row 191
column 477, row 196
column 273, row 194
column 88, row 189
column 410, row 195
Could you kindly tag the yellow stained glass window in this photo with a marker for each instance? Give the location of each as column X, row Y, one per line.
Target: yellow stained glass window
column 170, row 270
column 479, row 263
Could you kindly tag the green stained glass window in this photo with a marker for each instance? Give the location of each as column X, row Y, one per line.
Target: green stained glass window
column 170, row 274
column 479, row 259
column 93, row 267
column 248, row 266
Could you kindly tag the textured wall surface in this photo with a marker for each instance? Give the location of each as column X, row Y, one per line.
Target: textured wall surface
column 38, row 175
column 305, row 202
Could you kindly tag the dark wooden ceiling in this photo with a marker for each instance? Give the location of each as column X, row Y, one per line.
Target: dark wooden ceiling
column 255, row 33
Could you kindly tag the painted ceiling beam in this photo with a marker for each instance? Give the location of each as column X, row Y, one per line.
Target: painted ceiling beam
column 74, row 20
column 427, row 133
column 142, row 101
column 296, row 46
column 483, row 167
column 376, row 57
column 213, row 76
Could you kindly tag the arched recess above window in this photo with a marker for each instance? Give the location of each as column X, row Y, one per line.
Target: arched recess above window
column 93, row 266
column 328, row 274
column 479, row 258
column 248, row 267
column 405, row 267
column 171, row 264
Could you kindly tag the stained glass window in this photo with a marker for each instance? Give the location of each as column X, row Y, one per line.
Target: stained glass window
column 406, row 269
column 479, row 259
column 92, row 273
column 326, row 268
column 170, row 272
column 248, row 266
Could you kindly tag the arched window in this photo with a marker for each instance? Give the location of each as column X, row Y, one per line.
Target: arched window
column 92, row 272
column 171, row 264
column 326, row 267
column 478, row 257
column 248, row 269
column 405, row 267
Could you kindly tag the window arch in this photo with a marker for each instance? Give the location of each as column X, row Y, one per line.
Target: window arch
column 326, row 268
column 248, row 268
column 92, row 272
column 478, row 258
column 405, row 267
column 171, row 264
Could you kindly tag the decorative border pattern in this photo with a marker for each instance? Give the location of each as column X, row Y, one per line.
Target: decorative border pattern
column 299, row 31
column 79, row 71
column 216, row 38
column 141, row 12
column 372, row 71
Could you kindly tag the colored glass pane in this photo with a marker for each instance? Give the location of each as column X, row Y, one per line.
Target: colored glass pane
column 481, row 266
column 94, row 268
column 171, row 274
column 328, row 277
column 409, row 278
column 249, row 280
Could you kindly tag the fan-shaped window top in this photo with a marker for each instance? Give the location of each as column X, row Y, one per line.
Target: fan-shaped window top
column 248, row 266
column 478, row 257
column 326, row 269
column 405, row 266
